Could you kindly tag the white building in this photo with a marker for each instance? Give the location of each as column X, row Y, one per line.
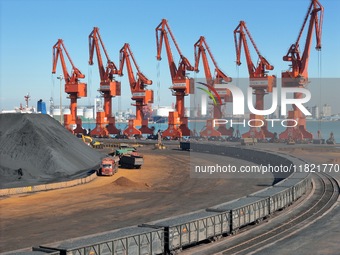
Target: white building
column 162, row 111
column 326, row 110
column 315, row 112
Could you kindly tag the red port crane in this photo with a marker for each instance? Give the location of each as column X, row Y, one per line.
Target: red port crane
column 73, row 86
column 297, row 75
column 181, row 84
column 201, row 47
column 109, row 87
column 140, row 94
column 259, row 80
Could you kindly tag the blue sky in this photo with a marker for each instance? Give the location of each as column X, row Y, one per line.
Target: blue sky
column 30, row 28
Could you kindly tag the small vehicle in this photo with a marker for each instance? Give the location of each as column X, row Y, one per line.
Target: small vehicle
column 129, row 158
column 90, row 142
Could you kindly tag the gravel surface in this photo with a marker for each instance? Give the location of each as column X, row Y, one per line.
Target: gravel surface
column 43, row 150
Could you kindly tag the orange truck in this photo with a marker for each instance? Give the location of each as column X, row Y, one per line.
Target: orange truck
column 109, row 166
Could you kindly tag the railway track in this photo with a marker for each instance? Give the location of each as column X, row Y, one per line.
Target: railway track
column 325, row 197
column 250, row 242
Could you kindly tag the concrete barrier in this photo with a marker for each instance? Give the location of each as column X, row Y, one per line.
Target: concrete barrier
column 248, row 141
column 49, row 186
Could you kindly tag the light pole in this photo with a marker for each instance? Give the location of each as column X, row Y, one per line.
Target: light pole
column 60, row 77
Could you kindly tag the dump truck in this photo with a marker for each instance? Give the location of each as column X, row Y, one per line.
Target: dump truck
column 131, row 160
column 185, row 146
column 109, row 166
column 129, row 157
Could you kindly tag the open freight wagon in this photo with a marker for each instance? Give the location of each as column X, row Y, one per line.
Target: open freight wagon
column 189, row 229
column 128, row 241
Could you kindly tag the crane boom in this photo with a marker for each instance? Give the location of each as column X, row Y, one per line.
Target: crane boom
column 126, row 55
column 263, row 65
column 201, row 47
column 300, row 61
column 58, row 49
column 95, row 41
column 178, row 74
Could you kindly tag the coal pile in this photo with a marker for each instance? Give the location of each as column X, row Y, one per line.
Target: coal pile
column 36, row 149
column 127, row 183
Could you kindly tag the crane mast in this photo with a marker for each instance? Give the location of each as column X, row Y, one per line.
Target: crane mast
column 297, row 75
column 259, row 80
column 109, row 87
column 140, row 94
column 181, row 84
column 73, row 86
column 201, row 47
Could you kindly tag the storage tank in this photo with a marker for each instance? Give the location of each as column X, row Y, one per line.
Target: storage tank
column 41, row 106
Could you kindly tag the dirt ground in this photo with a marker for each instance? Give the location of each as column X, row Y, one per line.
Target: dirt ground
column 162, row 188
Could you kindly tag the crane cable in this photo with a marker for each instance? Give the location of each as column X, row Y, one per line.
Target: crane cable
column 158, row 71
column 319, row 78
column 237, row 134
column 193, row 108
column 158, row 82
column 52, row 95
column 120, row 111
column 89, row 84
